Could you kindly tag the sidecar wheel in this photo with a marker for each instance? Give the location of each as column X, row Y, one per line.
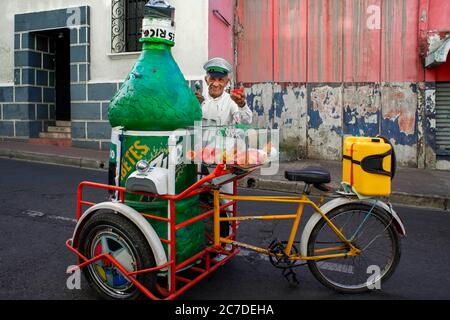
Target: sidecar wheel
column 110, row 233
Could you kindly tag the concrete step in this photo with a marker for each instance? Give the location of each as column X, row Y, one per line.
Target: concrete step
column 63, row 123
column 59, row 129
column 52, row 142
column 55, row 135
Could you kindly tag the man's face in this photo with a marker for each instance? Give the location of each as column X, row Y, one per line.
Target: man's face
column 216, row 85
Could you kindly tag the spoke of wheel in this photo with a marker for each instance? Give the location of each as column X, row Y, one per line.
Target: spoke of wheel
column 105, row 247
column 362, row 223
column 378, row 253
column 367, row 228
column 377, row 236
column 114, row 254
column 363, row 258
column 348, row 220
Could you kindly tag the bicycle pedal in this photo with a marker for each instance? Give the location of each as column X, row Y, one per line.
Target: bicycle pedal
column 291, row 277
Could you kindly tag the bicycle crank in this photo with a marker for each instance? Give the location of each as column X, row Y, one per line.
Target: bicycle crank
column 278, row 257
column 280, row 260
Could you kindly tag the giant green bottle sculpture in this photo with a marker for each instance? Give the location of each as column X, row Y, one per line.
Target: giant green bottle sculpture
column 153, row 101
column 155, row 95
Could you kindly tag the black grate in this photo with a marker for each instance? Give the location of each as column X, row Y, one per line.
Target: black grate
column 134, row 11
column 443, row 118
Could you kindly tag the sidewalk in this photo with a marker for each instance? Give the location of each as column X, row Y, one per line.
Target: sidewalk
column 417, row 187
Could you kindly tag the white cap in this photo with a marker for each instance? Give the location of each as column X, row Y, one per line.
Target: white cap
column 218, row 67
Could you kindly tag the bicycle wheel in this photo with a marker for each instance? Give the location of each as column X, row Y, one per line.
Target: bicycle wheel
column 372, row 231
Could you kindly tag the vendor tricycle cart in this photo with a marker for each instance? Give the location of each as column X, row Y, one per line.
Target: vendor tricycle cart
column 124, row 258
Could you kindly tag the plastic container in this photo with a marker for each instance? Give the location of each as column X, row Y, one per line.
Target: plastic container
column 368, row 165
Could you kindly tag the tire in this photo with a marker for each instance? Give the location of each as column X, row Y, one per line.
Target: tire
column 357, row 274
column 112, row 233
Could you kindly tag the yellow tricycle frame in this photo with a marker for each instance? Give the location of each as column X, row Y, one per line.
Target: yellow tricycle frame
column 302, row 201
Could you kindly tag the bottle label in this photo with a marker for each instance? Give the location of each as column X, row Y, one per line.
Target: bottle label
column 159, row 29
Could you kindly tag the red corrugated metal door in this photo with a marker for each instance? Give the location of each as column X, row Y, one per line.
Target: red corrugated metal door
column 254, row 41
column 327, row 41
column 271, row 40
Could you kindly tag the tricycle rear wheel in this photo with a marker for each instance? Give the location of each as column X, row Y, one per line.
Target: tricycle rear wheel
column 109, row 233
column 373, row 232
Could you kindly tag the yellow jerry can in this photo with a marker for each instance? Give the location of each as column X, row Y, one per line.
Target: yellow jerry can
column 369, row 165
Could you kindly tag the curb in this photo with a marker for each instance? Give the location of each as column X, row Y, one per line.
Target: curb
column 401, row 198
column 53, row 159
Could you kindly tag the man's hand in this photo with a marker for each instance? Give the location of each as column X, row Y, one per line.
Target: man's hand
column 199, row 96
column 238, row 96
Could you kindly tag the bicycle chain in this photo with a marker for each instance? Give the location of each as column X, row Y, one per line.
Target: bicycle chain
column 281, row 260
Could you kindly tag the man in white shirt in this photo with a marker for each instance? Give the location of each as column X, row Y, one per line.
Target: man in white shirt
column 220, row 106
column 221, row 109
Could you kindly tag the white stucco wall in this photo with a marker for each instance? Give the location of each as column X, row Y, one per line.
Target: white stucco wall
column 190, row 51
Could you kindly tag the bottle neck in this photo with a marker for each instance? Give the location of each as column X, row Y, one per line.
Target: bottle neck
column 155, row 45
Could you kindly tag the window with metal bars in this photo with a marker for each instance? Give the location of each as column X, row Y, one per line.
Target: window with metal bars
column 127, row 18
column 134, row 16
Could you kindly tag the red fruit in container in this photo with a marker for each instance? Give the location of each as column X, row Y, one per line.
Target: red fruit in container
column 208, row 155
column 241, row 157
column 253, row 157
column 191, row 155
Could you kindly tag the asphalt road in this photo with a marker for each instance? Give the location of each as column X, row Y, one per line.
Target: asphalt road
column 37, row 211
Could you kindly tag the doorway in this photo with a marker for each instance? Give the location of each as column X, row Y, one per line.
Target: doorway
column 62, row 75
column 59, row 40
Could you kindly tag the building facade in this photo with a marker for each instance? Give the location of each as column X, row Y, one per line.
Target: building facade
column 322, row 69
column 315, row 69
column 62, row 61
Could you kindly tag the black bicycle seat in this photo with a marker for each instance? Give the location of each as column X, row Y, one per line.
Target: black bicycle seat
column 310, row 175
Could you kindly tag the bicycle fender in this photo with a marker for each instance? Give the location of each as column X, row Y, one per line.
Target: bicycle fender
column 136, row 218
column 338, row 202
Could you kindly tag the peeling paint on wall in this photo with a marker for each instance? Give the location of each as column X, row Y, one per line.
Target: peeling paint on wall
column 434, row 42
column 399, row 103
column 399, row 113
column 260, row 101
column 281, row 107
column 430, row 114
column 430, row 126
column 362, row 110
column 290, row 117
column 420, row 126
column 325, row 122
column 313, row 118
column 290, row 111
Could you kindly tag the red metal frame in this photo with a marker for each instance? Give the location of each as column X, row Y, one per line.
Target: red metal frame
column 178, row 284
